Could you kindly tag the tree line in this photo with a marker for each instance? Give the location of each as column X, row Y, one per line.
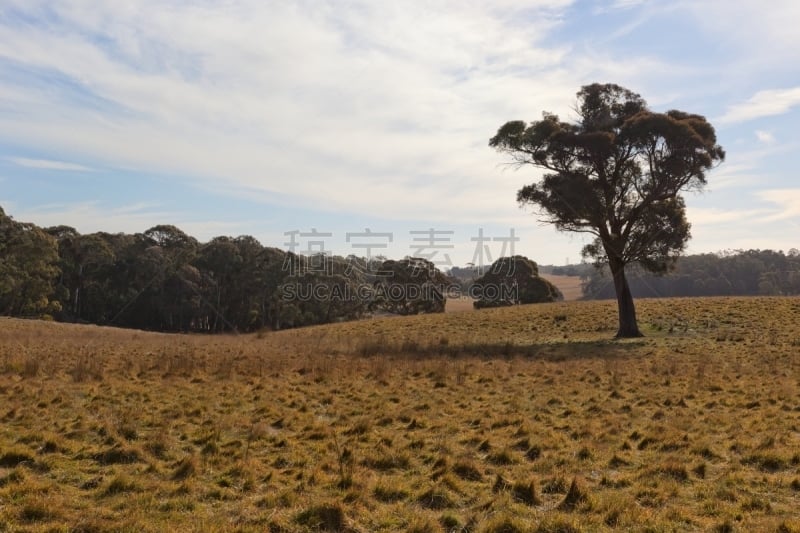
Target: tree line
column 731, row 273
column 165, row 280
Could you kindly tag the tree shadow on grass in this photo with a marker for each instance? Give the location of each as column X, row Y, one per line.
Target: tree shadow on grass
column 546, row 351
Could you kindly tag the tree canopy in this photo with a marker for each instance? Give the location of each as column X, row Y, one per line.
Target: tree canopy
column 28, row 268
column 617, row 173
column 512, row 281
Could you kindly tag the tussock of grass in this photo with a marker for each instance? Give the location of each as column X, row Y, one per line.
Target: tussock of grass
column 387, row 494
column 501, row 457
column 504, row 524
column 555, row 485
column 387, row 461
column 767, row 462
column 330, row 517
column 118, row 454
column 36, row 509
column 557, row 525
column 467, row 470
column 436, row 497
column 186, row 468
column 617, row 462
column 526, row 493
column 533, row 453
column 673, row 470
column 700, row 470
column 576, row 495
column 423, row 524
column 15, row 457
column 121, row 483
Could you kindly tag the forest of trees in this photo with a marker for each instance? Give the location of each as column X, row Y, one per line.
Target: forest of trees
column 165, row 280
column 739, row 273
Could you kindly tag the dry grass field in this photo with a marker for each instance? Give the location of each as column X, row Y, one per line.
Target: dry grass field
column 459, row 305
column 517, row 419
column 570, row 286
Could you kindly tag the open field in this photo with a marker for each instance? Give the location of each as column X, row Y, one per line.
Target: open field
column 459, row 305
column 517, row 419
column 570, row 286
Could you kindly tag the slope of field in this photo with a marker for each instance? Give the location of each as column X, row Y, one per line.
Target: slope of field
column 527, row 418
column 570, row 286
column 459, row 305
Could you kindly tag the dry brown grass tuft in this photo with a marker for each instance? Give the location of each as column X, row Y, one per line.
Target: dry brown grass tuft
column 577, row 495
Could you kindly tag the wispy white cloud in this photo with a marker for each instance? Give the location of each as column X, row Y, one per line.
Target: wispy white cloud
column 48, row 164
column 771, row 206
column 765, row 137
column 771, row 223
column 759, row 38
column 763, row 104
column 369, row 107
column 716, row 216
column 606, row 7
column 749, row 165
column 733, row 174
column 90, row 217
column 626, row 4
column 786, row 202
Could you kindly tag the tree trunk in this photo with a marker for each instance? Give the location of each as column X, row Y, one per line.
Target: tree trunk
column 628, row 328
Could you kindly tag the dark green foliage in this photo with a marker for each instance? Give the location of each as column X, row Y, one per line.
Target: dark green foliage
column 411, row 286
column 513, row 280
column 28, row 268
column 164, row 280
column 319, row 290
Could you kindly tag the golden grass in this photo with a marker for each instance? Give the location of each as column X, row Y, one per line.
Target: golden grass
column 517, row 419
column 570, row 286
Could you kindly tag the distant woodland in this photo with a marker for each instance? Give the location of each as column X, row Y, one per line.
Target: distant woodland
column 729, row 273
column 165, row 280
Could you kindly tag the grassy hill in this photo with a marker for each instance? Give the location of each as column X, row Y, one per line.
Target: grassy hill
column 516, row 419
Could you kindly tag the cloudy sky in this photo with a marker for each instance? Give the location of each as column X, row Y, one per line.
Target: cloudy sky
column 264, row 117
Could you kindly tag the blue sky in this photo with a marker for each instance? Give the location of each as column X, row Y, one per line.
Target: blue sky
column 266, row 117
